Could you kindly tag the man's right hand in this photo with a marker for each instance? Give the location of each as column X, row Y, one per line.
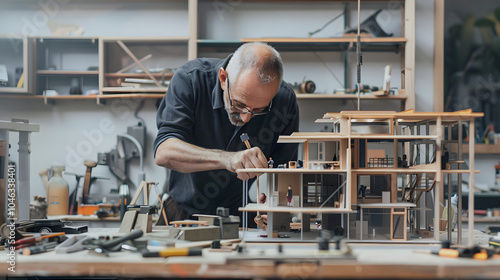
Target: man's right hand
column 251, row 158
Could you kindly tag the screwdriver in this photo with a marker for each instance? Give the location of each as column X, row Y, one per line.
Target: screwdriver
column 476, row 253
column 39, row 248
column 36, row 238
column 173, row 252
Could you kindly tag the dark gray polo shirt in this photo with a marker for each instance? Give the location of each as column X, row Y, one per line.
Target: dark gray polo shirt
column 193, row 110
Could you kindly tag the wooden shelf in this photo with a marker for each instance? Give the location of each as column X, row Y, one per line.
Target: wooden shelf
column 459, row 171
column 396, row 137
column 69, row 97
column 481, row 219
column 136, row 90
column 291, row 170
column 137, row 75
column 399, row 40
column 379, row 44
column 132, row 95
column 254, row 207
column 348, row 96
column 482, row 149
column 24, row 96
column 66, row 72
column 173, row 39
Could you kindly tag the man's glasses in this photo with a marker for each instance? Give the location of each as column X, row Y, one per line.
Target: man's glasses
column 244, row 110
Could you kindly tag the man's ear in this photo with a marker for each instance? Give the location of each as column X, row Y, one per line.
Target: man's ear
column 222, row 77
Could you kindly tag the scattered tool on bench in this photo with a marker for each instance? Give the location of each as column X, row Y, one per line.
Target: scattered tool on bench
column 36, row 238
column 79, row 243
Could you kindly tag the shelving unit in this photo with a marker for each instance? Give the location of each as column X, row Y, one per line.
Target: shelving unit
column 16, row 58
column 66, row 65
column 102, row 52
column 128, row 63
column 403, row 44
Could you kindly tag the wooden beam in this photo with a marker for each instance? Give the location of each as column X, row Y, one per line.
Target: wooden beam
column 409, row 70
column 193, row 29
column 438, row 55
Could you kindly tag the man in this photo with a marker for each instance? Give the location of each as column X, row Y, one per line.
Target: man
column 208, row 105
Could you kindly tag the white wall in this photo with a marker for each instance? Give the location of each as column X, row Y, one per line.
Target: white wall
column 74, row 131
column 64, row 125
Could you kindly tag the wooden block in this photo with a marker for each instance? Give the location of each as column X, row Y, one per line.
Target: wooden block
column 425, row 233
column 144, row 222
column 209, row 219
column 179, row 223
column 195, row 233
column 128, row 221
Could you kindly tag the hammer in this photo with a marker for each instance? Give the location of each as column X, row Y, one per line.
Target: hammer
column 245, row 139
column 86, row 183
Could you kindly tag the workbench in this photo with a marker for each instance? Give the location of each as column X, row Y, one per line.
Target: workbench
column 262, row 261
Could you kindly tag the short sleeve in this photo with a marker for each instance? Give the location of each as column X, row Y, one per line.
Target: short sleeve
column 175, row 116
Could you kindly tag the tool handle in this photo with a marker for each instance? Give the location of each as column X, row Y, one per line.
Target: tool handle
column 449, row 253
column 136, row 233
column 174, row 252
column 247, row 143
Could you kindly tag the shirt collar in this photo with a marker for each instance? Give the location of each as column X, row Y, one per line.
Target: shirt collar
column 217, row 92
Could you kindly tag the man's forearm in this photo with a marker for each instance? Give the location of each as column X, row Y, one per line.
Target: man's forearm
column 183, row 157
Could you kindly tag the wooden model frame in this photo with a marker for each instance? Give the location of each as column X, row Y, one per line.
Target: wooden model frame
column 419, row 135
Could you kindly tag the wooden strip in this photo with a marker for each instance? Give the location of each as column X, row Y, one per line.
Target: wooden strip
column 326, row 40
column 66, row 72
column 439, row 17
column 127, row 50
column 133, row 64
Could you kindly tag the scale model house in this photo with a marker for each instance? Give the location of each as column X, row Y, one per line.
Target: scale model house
column 376, row 176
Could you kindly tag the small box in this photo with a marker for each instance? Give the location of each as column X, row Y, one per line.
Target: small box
column 386, row 197
column 425, row 233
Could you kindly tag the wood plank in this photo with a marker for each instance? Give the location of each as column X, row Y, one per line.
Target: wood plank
column 146, row 39
column 347, row 96
column 480, row 148
column 138, row 89
column 405, row 116
column 326, row 40
column 71, row 97
column 439, row 18
column 292, row 170
column 133, row 95
column 253, row 207
column 66, row 72
column 136, row 75
column 9, row 96
column 387, row 205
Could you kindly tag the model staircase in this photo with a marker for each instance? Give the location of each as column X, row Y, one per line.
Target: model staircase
column 418, row 184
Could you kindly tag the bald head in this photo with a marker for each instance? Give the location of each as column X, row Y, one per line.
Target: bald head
column 258, row 58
